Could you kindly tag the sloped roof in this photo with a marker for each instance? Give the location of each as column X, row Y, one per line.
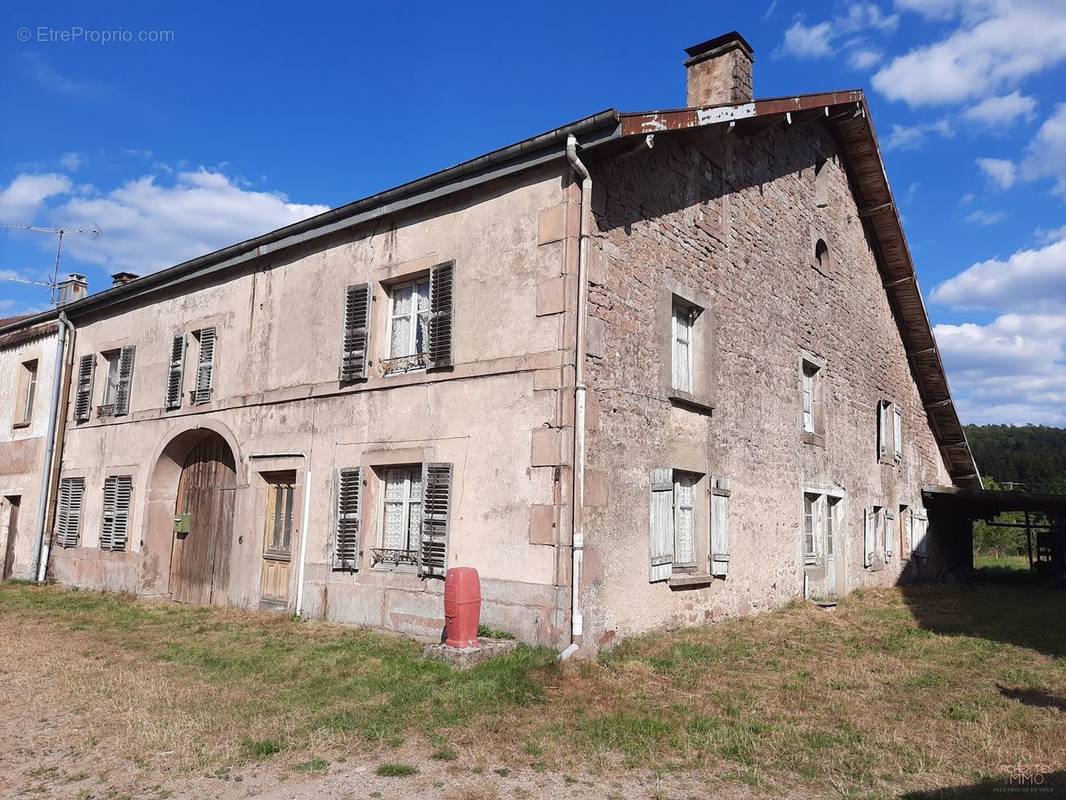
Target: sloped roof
column 845, row 112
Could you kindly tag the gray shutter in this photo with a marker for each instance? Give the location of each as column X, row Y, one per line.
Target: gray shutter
column 869, row 538
column 661, row 533
column 84, row 396
column 720, row 527
column 356, row 332
column 349, row 515
column 176, row 372
column 205, row 369
column 120, row 489
column 919, row 535
column 68, row 514
column 441, row 281
column 125, row 380
column 890, row 534
column 436, row 514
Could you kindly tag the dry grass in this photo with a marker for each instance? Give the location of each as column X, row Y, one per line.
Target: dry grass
column 895, row 691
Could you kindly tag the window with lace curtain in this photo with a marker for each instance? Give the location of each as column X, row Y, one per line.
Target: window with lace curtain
column 409, row 324
column 401, row 514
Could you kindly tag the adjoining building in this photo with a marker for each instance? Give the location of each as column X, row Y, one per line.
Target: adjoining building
column 642, row 370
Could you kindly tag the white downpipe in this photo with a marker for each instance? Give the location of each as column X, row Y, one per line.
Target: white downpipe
column 41, row 544
column 577, row 540
column 304, row 522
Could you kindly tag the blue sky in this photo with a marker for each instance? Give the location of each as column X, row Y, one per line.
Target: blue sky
column 235, row 119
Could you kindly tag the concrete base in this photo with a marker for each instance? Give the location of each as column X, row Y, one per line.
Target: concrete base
column 467, row 657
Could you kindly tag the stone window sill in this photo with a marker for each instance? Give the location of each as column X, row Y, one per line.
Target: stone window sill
column 689, row 579
column 813, row 439
column 691, row 401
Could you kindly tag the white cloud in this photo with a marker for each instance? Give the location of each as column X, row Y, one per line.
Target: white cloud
column 24, row 196
column 72, row 162
column 1046, row 154
column 934, row 9
column 819, row 40
column 52, row 80
column 998, row 111
column 148, row 225
column 999, row 170
column 980, row 217
column 911, row 137
column 1000, row 43
column 1029, row 280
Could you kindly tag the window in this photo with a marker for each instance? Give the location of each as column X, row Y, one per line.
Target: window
column 116, row 401
column 821, row 525
column 420, row 323
column 874, row 537
column 897, row 433
column 821, row 256
column 811, row 400
column 26, row 392
column 118, row 491
column 889, row 432
column 415, row 517
column 683, row 317
column 205, row 365
column 280, row 490
column 409, row 322
column 811, row 526
column 680, row 515
column 68, row 511
column 919, row 526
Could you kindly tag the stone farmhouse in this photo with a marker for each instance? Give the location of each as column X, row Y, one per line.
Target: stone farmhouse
column 643, row 370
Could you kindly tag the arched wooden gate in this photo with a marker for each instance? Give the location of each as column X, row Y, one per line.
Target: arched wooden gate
column 199, row 569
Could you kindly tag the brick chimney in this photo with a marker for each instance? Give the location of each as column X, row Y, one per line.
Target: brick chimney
column 122, row 278
column 74, row 288
column 719, row 71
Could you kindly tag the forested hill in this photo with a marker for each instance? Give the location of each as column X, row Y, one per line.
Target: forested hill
column 1033, row 455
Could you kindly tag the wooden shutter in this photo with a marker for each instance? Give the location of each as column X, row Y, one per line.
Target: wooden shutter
column 205, row 369
column 436, row 514
column 661, row 538
column 919, row 535
column 441, row 281
column 176, row 372
column 84, row 397
column 356, row 332
column 349, row 516
column 118, row 491
column 889, row 533
column 897, row 432
column 68, row 513
column 869, row 538
column 720, row 527
column 126, row 358
column 882, row 429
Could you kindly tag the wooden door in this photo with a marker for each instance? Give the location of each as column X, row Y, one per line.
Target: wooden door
column 12, row 534
column 200, row 564
column 278, row 537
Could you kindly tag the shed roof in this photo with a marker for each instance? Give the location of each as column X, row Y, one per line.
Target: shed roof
column 847, row 116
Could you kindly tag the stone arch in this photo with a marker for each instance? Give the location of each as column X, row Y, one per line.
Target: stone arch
column 157, row 524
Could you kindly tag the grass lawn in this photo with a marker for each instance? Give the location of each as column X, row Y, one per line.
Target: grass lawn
column 986, row 561
column 896, row 691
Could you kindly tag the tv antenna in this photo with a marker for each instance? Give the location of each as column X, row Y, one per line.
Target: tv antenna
column 59, row 233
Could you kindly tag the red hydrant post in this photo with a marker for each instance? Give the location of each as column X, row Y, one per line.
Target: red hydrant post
column 462, row 606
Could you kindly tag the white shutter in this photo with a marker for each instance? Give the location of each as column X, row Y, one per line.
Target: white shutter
column 349, row 516
column 882, row 429
column 441, row 315
column 870, row 537
column 661, row 539
column 436, row 519
column 125, row 380
column 68, row 513
column 205, row 369
column 720, row 527
column 84, row 396
column 176, row 371
column 890, row 533
column 356, row 332
column 897, row 432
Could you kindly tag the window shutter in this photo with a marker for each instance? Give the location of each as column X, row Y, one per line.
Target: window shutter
column 68, row 516
column 720, row 527
column 205, row 370
column 176, row 372
column 349, row 515
column 869, row 539
column 882, row 429
column 897, row 432
column 890, row 533
column 83, row 398
column 125, row 380
column 919, row 534
column 118, row 490
column 356, row 332
column 441, row 280
column 436, row 513
column 661, row 539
